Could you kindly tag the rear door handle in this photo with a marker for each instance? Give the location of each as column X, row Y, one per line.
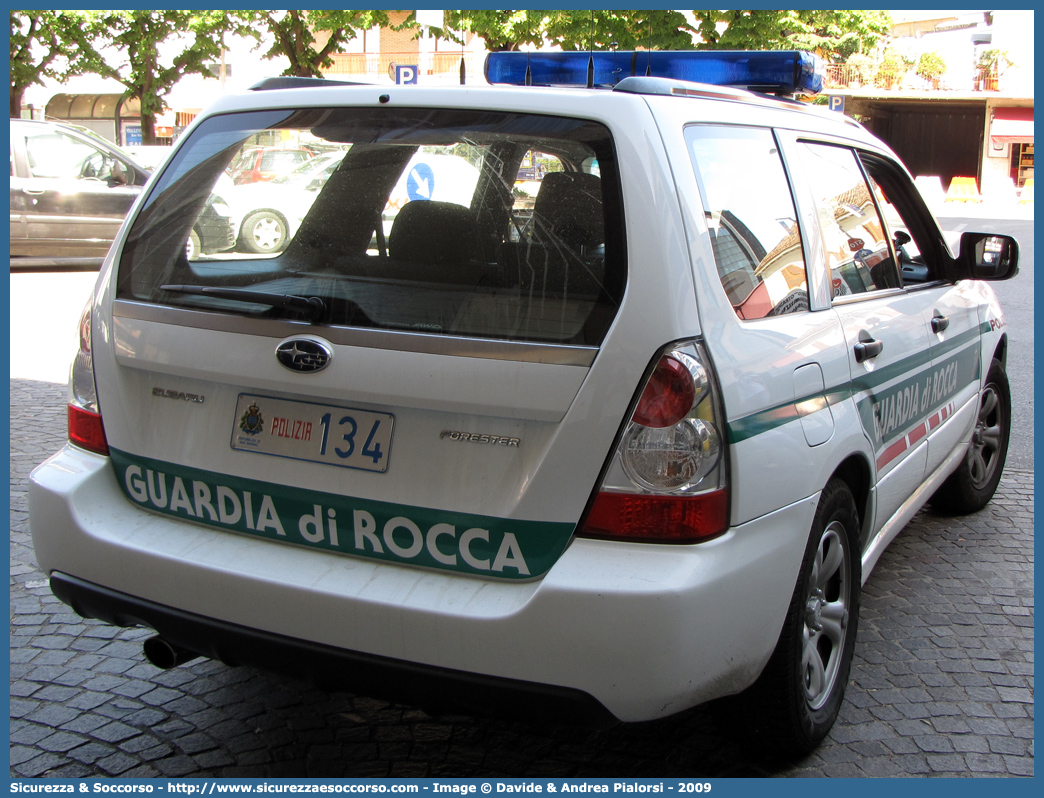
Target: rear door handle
column 865, row 350
column 940, row 323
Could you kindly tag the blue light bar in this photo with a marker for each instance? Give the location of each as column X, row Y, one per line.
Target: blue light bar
column 770, row 71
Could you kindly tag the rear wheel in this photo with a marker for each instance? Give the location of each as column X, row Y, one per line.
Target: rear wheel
column 193, row 246
column 263, row 231
column 973, row 484
column 796, row 699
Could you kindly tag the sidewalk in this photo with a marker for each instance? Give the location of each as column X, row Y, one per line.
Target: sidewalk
column 987, row 209
column 996, row 203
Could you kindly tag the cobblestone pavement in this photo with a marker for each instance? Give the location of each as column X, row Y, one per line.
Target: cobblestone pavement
column 942, row 683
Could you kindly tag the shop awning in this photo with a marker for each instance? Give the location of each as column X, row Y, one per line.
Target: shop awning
column 1011, row 124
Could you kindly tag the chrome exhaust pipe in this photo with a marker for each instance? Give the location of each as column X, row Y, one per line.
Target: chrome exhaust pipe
column 164, row 654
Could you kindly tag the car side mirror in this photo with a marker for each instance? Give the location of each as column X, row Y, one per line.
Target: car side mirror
column 987, row 256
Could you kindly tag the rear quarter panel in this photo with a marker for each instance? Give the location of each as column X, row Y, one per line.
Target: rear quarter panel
column 772, row 461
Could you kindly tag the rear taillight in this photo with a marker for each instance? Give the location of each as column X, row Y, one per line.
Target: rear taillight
column 667, row 482
column 85, row 422
column 86, row 431
column 669, row 394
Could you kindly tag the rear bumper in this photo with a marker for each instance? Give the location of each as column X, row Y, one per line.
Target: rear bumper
column 335, row 669
column 642, row 631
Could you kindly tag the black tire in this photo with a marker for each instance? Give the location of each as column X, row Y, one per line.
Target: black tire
column 972, row 485
column 794, row 703
column 263, row 232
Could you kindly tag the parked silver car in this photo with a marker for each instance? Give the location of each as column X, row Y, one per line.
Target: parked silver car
column 71, row 189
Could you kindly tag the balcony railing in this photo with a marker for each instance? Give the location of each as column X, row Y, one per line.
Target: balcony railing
column 849, row 76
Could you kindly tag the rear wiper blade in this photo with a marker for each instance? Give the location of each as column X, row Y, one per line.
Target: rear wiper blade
column 312, row 306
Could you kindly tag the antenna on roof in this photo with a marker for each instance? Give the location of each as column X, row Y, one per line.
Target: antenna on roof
column 590, row 47
column 463, row 33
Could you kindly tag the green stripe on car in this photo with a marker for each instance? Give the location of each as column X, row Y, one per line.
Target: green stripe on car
column 451, row 541
column 869, row 385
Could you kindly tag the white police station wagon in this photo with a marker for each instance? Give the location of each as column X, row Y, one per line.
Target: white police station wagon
column 617, row 430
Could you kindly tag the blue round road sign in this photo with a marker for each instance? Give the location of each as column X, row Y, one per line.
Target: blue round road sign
column 420, row 182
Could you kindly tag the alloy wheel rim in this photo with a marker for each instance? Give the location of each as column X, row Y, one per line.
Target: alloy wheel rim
column 825, row 624
column 268, row 233
column 986, row 439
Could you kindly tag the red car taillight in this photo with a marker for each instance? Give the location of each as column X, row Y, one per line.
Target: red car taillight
column 86, row 431
column 668, row 396
column 667, row 481
column 85, row 422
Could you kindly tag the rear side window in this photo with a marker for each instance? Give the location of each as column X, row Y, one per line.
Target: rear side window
column 751, row 219
column 464, row 223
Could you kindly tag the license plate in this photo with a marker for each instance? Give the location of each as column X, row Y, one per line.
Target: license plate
column 340, row 436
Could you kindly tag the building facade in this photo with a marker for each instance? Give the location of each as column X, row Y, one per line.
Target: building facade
column 974, row 119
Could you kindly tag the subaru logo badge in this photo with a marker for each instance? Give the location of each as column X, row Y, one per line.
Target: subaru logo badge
column 304, row 354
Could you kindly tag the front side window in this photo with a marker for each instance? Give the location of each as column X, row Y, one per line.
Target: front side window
column 918, row 246
column 531, row 171
column 751, row 218
column 398, row 219
column 854, row 238
column 53, row 154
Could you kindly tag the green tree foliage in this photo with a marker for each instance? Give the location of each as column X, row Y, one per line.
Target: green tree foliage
column 572, row 29
column 128, row 47
column 500, row 30
column 931, row 66
column 308, row 39
column 833, row 34
column 994, row 61
column 45, row 44
column 650, row 29
column 892, row 68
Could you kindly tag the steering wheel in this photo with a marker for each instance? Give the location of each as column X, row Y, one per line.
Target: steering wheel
column 89, row 170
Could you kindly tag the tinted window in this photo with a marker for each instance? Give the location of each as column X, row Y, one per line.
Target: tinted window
column 411, row 228
column 751, row 219
column 854, row 238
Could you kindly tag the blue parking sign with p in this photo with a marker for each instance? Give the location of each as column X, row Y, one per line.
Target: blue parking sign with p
column 406, row 73
column 836, row 102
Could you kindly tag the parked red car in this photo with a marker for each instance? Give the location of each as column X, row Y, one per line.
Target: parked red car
column 261, row 164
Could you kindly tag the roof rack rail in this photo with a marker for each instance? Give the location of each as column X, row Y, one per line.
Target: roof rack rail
column 647, row 85
column 767, row 71
column 290, row 82
column 684, row 88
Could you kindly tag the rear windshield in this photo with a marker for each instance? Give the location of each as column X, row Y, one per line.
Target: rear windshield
column 446, row 222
